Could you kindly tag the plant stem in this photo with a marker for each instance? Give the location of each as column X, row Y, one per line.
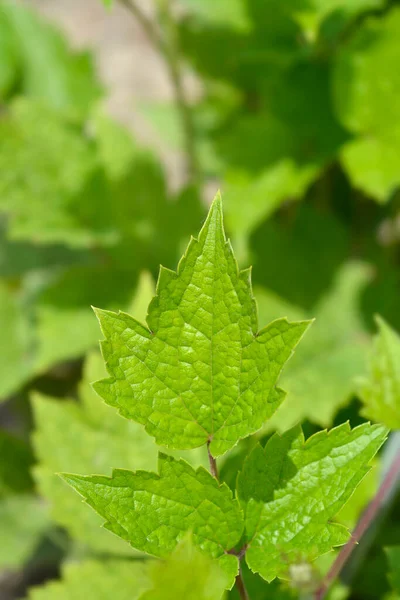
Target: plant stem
column 168, row 47
column 389, row 482
column 241, row 586
column 213, row 463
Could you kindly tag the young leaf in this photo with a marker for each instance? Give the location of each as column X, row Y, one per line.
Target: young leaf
column 291, row 489
column 187, row 574
column 200, row 372
column 153, row 512
column 95, row 580
column 380, row 392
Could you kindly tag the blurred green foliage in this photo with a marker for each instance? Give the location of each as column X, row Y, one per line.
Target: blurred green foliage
column 298, row 122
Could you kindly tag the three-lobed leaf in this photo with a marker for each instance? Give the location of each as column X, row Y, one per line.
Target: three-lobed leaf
column 292, row 489
column 200, row 372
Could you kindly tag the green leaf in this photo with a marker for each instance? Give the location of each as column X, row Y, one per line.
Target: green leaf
column 23, row 520
column 153, row 512
column 49, row 71
column 331, row 357
column 16, row 346
column 33, row 144
column 368, row 109
column 394, row 561
column 249, row 200
column 8, row 57
column 95, row 580
column 315, row 12
column 16, row 461
column 225, row 12
column 380, row 392
column 85, row 438
column 201, row 372
column 187, row 574
column 291, row 489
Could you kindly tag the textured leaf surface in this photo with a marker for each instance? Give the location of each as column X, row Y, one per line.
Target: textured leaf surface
column 380, row 392
column 200, row 372
column 188, row 574
column 153, row 512
column 95, row 580
column 367, row 105
column 291, row 489
column 323, row 371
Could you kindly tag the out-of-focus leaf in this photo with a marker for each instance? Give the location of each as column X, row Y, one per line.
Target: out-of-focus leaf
column 8, row 56
column 66, row 326
column 96, row 580
column 314, row 12
column 46, row 162
column 394, row 562
column 380, row 391
column 23, row 519
column 188, row 574
column 49, row 71
column 297, row 272
column 249, row 200
column 15, row 463
column 225, row 12
column 322, row 374
column 367, row 85
column 17, row 357
column 116, row 147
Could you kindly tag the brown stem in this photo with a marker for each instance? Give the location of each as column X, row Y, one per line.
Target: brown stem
column 365, row 521
column 241, row 586
column 213, row 462
column 168, row 47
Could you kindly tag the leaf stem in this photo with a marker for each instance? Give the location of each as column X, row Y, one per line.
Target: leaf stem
column 389, row 482
column 167, row 45
column 213, row 462
column 241, row 586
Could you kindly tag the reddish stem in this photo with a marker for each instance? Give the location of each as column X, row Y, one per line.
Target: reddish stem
column 241, row 588
column 213, row 462
column 363, row 524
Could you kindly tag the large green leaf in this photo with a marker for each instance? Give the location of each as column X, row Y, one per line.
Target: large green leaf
column 154, row 511
column 291, row 489
column 200, row 372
